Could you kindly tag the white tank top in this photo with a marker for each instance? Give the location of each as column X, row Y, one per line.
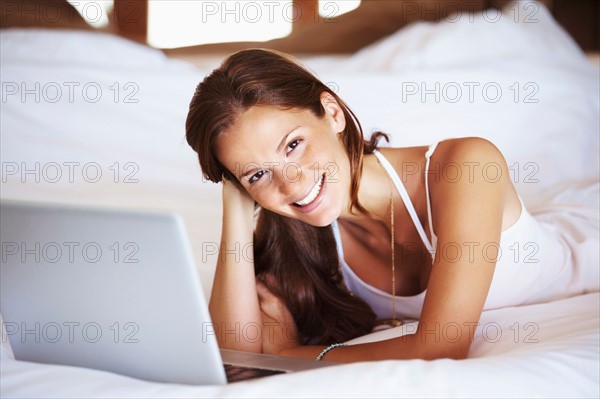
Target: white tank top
column 534, row 262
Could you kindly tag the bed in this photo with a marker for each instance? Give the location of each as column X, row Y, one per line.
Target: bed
column 89, row 118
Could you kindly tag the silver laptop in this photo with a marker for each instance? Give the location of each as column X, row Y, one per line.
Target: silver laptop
column 114, row 290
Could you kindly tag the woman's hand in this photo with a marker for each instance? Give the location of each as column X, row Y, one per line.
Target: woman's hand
column 279, row 331
column 233, row 196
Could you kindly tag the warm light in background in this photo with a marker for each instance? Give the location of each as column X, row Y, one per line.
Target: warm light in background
column 332, row 9
column 180, row 23
column 95, row 12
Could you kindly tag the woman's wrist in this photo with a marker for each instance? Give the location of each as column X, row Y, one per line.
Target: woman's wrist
column 329, row 348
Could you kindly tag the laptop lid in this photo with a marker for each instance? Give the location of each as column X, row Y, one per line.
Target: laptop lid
column 106, row 289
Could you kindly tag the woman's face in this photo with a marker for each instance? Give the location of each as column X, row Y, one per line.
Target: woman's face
column 290, row 161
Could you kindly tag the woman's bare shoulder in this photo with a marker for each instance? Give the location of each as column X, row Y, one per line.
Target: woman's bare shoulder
column 467, row 149
column 468, row 160
column 465, row 152
column 468, row 163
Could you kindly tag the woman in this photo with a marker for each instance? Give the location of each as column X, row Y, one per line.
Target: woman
column 350, row 235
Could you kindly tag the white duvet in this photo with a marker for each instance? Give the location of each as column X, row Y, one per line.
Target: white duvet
column 93, row 119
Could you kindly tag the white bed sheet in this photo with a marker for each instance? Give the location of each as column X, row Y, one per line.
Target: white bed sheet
column 552, row 144
column 547, row 350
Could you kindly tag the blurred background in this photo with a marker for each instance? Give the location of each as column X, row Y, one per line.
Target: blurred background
column 185, row 28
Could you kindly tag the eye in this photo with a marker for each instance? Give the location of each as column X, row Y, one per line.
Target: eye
column 292, row 145
column 256, row 177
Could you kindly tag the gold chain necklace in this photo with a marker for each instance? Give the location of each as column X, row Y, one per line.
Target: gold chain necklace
column 392, row 322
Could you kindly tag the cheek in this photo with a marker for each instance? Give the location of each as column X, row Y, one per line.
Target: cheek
column 340, row 169
column 321, row 154
column 328, row 156
column 262, row 197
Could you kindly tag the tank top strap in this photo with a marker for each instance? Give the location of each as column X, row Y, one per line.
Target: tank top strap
column 405, row 198
column 428, row 154
column 338, row 238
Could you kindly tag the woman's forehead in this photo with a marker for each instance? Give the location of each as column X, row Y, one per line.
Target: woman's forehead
column 264, row 118
column 263, row 124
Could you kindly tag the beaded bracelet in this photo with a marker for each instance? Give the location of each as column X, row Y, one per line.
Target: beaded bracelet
column 324, row 351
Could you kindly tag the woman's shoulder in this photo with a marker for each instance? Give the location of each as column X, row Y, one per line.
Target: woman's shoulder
column 461, row 172
column 467, row 149
column 471, row 172
column 465, row 152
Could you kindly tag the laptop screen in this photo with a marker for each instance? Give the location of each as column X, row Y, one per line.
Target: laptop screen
column 114, row 290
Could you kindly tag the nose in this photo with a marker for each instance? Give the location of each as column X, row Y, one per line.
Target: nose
column 291, row 181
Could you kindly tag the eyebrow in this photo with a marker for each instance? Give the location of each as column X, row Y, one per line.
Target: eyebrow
column 279, row 147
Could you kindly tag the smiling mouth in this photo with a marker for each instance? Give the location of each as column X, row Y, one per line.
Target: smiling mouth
column 314, row 193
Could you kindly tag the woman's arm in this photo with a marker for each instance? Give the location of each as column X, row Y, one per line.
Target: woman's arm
column 234, row 306
column 467, row 213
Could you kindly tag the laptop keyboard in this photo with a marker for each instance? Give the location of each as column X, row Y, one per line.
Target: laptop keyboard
column 240, row 373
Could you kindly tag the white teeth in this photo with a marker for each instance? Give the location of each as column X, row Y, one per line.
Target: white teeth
column 312, row 195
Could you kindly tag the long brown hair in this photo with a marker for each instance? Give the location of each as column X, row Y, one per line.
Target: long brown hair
column 298, row 262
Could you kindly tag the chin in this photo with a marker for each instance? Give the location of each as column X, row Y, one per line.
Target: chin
column 322, row 219
column 318, row 224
